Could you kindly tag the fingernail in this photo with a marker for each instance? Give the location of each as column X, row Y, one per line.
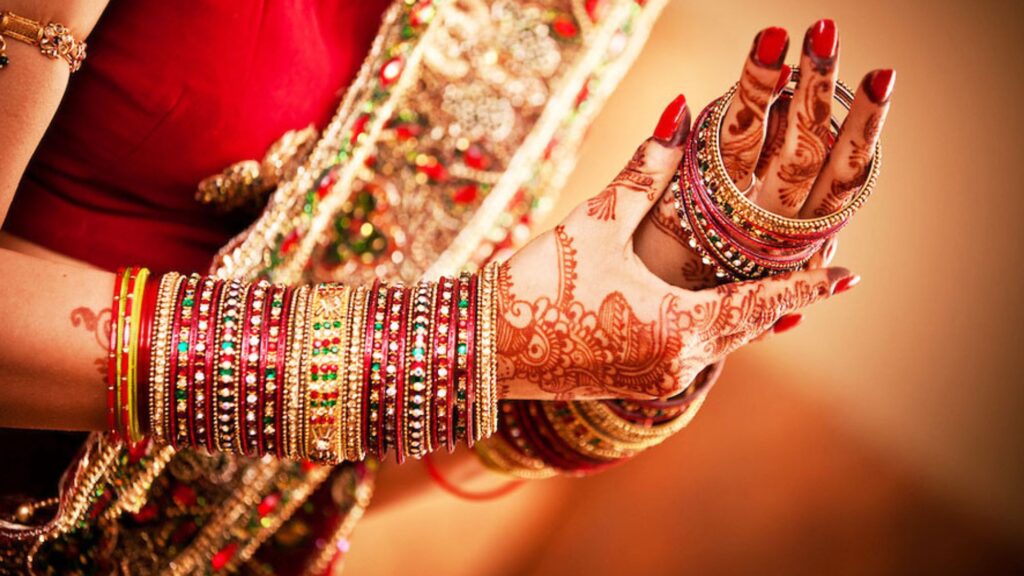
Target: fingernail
column 845, row 284
column 784, row 75
column 821, row 43
column 878, row 85
column 674, row 124
column 770, row 47
column 787, row 322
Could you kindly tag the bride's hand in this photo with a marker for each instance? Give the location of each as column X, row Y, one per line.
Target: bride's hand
column 580, row 316
column 785, row 161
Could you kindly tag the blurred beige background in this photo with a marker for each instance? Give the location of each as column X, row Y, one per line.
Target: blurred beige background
column 882, row 436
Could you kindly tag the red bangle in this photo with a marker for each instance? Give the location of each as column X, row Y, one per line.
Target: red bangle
column 440, row 480
column 146, row 353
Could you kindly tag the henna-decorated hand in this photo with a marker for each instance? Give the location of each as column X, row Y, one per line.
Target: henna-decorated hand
column 785, row 161
column 580, row 316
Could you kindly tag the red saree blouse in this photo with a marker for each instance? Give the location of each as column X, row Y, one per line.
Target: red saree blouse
column 172, row 92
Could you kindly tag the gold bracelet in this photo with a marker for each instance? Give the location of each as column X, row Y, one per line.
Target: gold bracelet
column 325, row 346
column 487, row 350
column 53, row 40
column 169, row 286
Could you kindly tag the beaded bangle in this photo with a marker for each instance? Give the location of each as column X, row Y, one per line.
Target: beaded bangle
column 354, row 398
column 294, row 372
column 443, row 365
column 372, row 366
column 463, row 397
column 170, row 285
column 416, row 392
column 204, row 376
column 227, row 424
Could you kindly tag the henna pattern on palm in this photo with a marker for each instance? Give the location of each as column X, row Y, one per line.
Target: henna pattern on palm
column 98, row 323
column 632, row 177
column 571, row 351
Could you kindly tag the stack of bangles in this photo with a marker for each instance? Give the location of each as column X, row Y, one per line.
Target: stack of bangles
column 538, row 439
column 323, row 373
column 738, row 238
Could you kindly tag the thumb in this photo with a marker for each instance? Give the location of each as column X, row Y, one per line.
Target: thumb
column 630, row 196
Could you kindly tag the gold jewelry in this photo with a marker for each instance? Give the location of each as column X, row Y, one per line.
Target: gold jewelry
column 727, row 193
column 488, row 350
column 169, row 286
column 53, row 40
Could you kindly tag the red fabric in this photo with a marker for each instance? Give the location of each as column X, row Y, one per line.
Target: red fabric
column 172, row 92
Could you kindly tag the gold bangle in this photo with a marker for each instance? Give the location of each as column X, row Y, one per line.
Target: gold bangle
column 53, row 40
column 744, row 209
column 169, row 286
column 487, row 349
column 294, row 368
column 581, row 436
column 500, row 456
column 325, row 347
column 354, row 450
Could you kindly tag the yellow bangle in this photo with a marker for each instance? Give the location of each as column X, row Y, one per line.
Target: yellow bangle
column 53, row 40
column 134, row 430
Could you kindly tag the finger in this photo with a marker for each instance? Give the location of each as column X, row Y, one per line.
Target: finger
column 744, row 126
column 791, row 174
column 662, row 245
column 630, row 196
column 849, row 161
column 775, row 135
column 746, row 309
column 823, row 257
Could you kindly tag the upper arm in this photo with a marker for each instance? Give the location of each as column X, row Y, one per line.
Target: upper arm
column 31, row 86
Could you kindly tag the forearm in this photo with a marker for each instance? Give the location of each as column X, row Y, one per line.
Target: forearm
column 53, row 360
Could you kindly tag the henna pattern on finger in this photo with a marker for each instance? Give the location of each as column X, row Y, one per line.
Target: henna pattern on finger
column 859, row 162
column 798, row 171
column 775, row 135
column 632, row 177
column 98, row 323
column 741, row 150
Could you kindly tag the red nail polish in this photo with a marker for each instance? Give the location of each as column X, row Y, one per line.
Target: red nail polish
column 822, row 40
column 878, row 85
column 787, row 322
column 784, row 75
column 845, row 284
column 674, row 124
column 770, row 46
